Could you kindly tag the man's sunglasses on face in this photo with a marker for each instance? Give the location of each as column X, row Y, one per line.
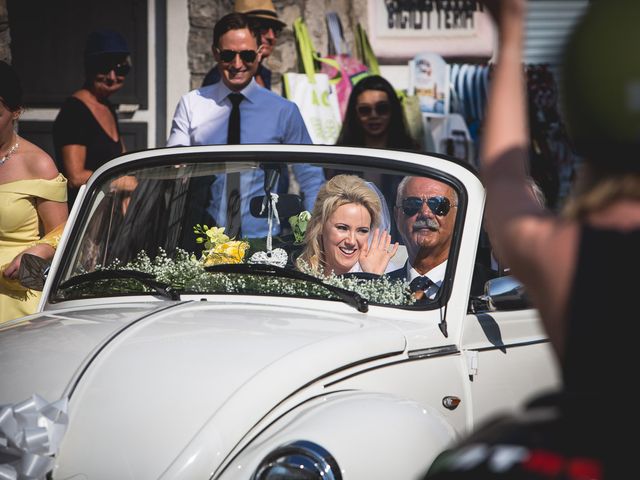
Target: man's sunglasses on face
column 439, row 205
column 247, row 56
column 265, row 25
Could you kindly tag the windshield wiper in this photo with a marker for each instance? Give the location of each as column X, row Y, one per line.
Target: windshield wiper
column 347, row 296
column 146, row 279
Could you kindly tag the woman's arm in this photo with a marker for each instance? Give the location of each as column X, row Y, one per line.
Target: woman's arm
column 74, row 160
column 53, row 216
column 515, row 219
column 539, row 248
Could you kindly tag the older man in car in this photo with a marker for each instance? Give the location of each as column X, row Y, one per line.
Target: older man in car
column 425, row 214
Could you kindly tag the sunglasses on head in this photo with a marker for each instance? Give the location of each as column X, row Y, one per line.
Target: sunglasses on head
column 120, row 69
column 380, row 108
column 247, row 56
column 439, row 205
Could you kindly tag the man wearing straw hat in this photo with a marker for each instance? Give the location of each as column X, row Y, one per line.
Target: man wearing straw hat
column 263, row 14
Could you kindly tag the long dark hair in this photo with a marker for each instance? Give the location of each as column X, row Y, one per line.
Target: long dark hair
column 10, row 88
column 352, row 133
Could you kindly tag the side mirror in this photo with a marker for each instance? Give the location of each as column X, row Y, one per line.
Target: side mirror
column 505, row 293
column 288, row 205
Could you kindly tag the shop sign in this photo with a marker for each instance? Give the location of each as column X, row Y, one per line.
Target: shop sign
column 446, row 27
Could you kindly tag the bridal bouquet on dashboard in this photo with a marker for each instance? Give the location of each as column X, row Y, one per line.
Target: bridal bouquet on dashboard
column 218, row 247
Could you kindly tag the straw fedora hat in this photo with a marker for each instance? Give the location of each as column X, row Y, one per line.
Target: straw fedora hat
column 258, row 8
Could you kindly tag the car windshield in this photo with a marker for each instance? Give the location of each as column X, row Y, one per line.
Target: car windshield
column 219, row 223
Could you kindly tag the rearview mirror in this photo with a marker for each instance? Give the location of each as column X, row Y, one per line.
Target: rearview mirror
column 288, row 204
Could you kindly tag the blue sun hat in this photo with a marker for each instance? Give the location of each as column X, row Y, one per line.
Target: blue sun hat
column 104, row 51
column 601, row 85
column 102, row 42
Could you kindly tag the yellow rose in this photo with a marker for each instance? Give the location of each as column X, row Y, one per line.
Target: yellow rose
column 231, row 252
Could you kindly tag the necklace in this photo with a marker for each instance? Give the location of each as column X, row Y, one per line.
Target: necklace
column 10, row 152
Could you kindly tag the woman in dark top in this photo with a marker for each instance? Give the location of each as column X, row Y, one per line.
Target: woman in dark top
column 86, row 133
column 580, row 269
column 374, row 117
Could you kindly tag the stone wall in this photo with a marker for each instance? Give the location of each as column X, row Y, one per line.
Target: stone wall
column 203, row 14
column 5, row 38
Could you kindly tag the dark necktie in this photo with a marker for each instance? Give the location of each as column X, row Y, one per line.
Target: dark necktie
column 420, row 284
column 233, row 179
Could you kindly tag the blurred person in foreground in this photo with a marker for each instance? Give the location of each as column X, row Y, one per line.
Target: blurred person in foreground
column 86, row 132
column 577, row 267
column 33, row 202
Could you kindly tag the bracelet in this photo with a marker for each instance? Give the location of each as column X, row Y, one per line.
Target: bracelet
column 53, row 237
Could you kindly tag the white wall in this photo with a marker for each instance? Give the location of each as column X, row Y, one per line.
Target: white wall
column 178, row 75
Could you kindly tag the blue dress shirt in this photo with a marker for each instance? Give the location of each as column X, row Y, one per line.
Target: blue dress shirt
column 202, row 118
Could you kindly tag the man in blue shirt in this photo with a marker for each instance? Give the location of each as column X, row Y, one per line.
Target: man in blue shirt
column 202, row 118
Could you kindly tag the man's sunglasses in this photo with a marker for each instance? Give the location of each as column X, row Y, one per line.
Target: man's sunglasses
column 247, row 56
column 439, row 205
column 381, row 108
column 265, row 26
column 120, row 69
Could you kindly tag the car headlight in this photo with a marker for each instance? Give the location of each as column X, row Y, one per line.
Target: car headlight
column 301, row 460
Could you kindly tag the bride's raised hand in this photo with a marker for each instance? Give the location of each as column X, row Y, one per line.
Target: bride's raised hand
column 374, row 258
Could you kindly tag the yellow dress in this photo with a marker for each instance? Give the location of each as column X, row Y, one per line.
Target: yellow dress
column 19, row 231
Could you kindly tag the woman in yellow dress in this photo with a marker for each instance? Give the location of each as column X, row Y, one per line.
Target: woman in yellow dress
column 33, row 202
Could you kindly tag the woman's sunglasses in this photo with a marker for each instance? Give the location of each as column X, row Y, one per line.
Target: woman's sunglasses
column 247, row 56
column 439, row 205
column 120, row 69
column 380, row 108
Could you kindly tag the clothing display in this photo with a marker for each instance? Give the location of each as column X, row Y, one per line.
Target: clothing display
column 202, row 118
column 76, row 125
column 19, row 230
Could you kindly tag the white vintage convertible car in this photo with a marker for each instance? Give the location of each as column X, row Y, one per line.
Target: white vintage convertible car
column 165, row 349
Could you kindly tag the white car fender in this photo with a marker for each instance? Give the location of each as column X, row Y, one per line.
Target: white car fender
column 370, row 435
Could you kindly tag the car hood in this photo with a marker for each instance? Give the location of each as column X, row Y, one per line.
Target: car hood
column 147, row 378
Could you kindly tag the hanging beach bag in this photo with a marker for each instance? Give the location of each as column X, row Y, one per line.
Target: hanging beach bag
column 365, row 52
column 312, row 92
column 345, row 70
